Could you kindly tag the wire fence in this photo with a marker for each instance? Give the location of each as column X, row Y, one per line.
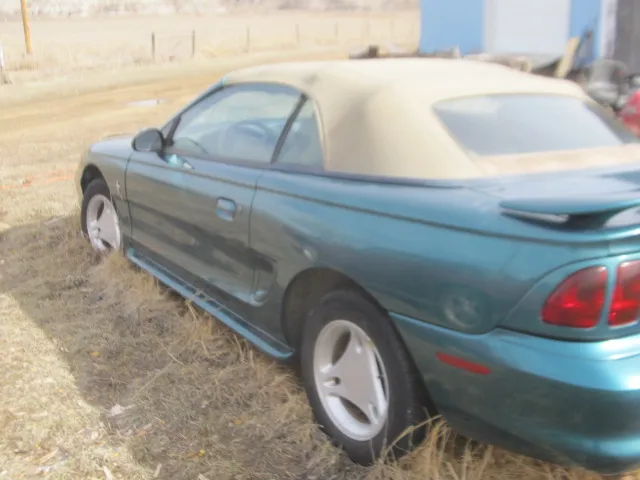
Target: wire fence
column 173, row 47
column 81, row 43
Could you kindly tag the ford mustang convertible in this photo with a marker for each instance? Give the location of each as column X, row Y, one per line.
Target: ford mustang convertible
column 420, row 236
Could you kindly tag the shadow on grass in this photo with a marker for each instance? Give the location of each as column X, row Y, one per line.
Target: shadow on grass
column 184, row 395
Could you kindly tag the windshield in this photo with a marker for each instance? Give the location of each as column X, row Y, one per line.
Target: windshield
column 520, row 124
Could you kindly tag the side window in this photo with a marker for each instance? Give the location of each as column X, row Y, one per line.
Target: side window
column 303, row 146
column 242, row 122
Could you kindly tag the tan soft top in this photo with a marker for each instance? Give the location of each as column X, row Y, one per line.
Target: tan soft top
column 376, row 115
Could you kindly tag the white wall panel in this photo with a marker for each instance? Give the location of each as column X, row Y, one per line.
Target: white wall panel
column 526, row 26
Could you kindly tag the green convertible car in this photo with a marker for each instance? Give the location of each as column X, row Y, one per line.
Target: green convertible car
column 421, row 236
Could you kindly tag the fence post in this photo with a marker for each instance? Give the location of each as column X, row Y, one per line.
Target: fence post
column 153, row 46
column 25, row 26
column 4, row 78
column 193, row 43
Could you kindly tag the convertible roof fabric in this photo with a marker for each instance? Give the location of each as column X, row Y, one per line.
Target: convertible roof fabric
column 376, row 115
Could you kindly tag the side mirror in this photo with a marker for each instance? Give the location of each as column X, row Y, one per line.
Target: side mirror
column 149, row 140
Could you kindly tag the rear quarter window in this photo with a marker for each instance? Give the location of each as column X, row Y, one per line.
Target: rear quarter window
column 519, row 124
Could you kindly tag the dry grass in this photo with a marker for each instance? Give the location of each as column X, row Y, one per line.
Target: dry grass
column 63, row 45
column 105, row 375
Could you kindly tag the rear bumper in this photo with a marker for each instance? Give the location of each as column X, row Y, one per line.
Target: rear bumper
column 566, row 402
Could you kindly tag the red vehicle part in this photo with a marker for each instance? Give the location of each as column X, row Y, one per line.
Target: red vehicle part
column 630, row 113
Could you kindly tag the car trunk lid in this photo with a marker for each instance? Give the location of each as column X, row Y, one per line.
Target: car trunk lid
column 574, row 163
column 606, row 183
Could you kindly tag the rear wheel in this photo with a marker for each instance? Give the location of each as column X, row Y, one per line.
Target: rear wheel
column 99, row 218
column 360, row 382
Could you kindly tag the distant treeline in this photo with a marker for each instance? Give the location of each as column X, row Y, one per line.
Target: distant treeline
column 87, row 8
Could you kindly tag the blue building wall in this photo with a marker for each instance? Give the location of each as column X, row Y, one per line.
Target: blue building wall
column 449, row 23
column 585, row 14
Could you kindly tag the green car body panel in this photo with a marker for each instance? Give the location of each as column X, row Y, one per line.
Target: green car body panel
column 460, row 277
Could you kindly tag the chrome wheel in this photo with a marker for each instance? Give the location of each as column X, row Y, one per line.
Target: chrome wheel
column 351, row 380
column 103, row 228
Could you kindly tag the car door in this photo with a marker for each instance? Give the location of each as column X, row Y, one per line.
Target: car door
column 214, row 157
column 279, row 215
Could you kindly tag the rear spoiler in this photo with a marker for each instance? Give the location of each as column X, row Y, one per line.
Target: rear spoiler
column 578, row 211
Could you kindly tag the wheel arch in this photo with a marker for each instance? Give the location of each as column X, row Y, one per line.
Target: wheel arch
column 306, row 289
column 90, row 173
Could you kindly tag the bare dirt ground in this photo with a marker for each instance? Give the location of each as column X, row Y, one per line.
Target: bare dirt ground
column 104, row 375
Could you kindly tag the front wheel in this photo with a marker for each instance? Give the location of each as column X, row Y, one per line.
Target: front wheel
column 99, row 218
column 360, row 382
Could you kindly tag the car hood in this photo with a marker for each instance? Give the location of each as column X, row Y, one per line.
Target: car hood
column 114, row 145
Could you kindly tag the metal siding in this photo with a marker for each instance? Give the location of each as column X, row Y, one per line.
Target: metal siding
column 449, row 23
column 516, row 26
column 627, row 42
column 607, row 26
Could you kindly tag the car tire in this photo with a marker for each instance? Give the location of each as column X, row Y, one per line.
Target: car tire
column 366, row 333
column 99, row 218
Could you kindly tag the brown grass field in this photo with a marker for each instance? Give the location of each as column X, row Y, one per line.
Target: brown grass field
column 105, row 375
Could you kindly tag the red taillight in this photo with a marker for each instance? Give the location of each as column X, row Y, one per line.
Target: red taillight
column 625, row 304
column 577, row 302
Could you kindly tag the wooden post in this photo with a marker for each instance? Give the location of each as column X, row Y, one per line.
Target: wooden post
column 4, row 78
column 25, row 26
column 153, row 46
column 193, row 43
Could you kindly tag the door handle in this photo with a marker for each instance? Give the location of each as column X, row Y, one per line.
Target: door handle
column 226, row 209
column 178, row 161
